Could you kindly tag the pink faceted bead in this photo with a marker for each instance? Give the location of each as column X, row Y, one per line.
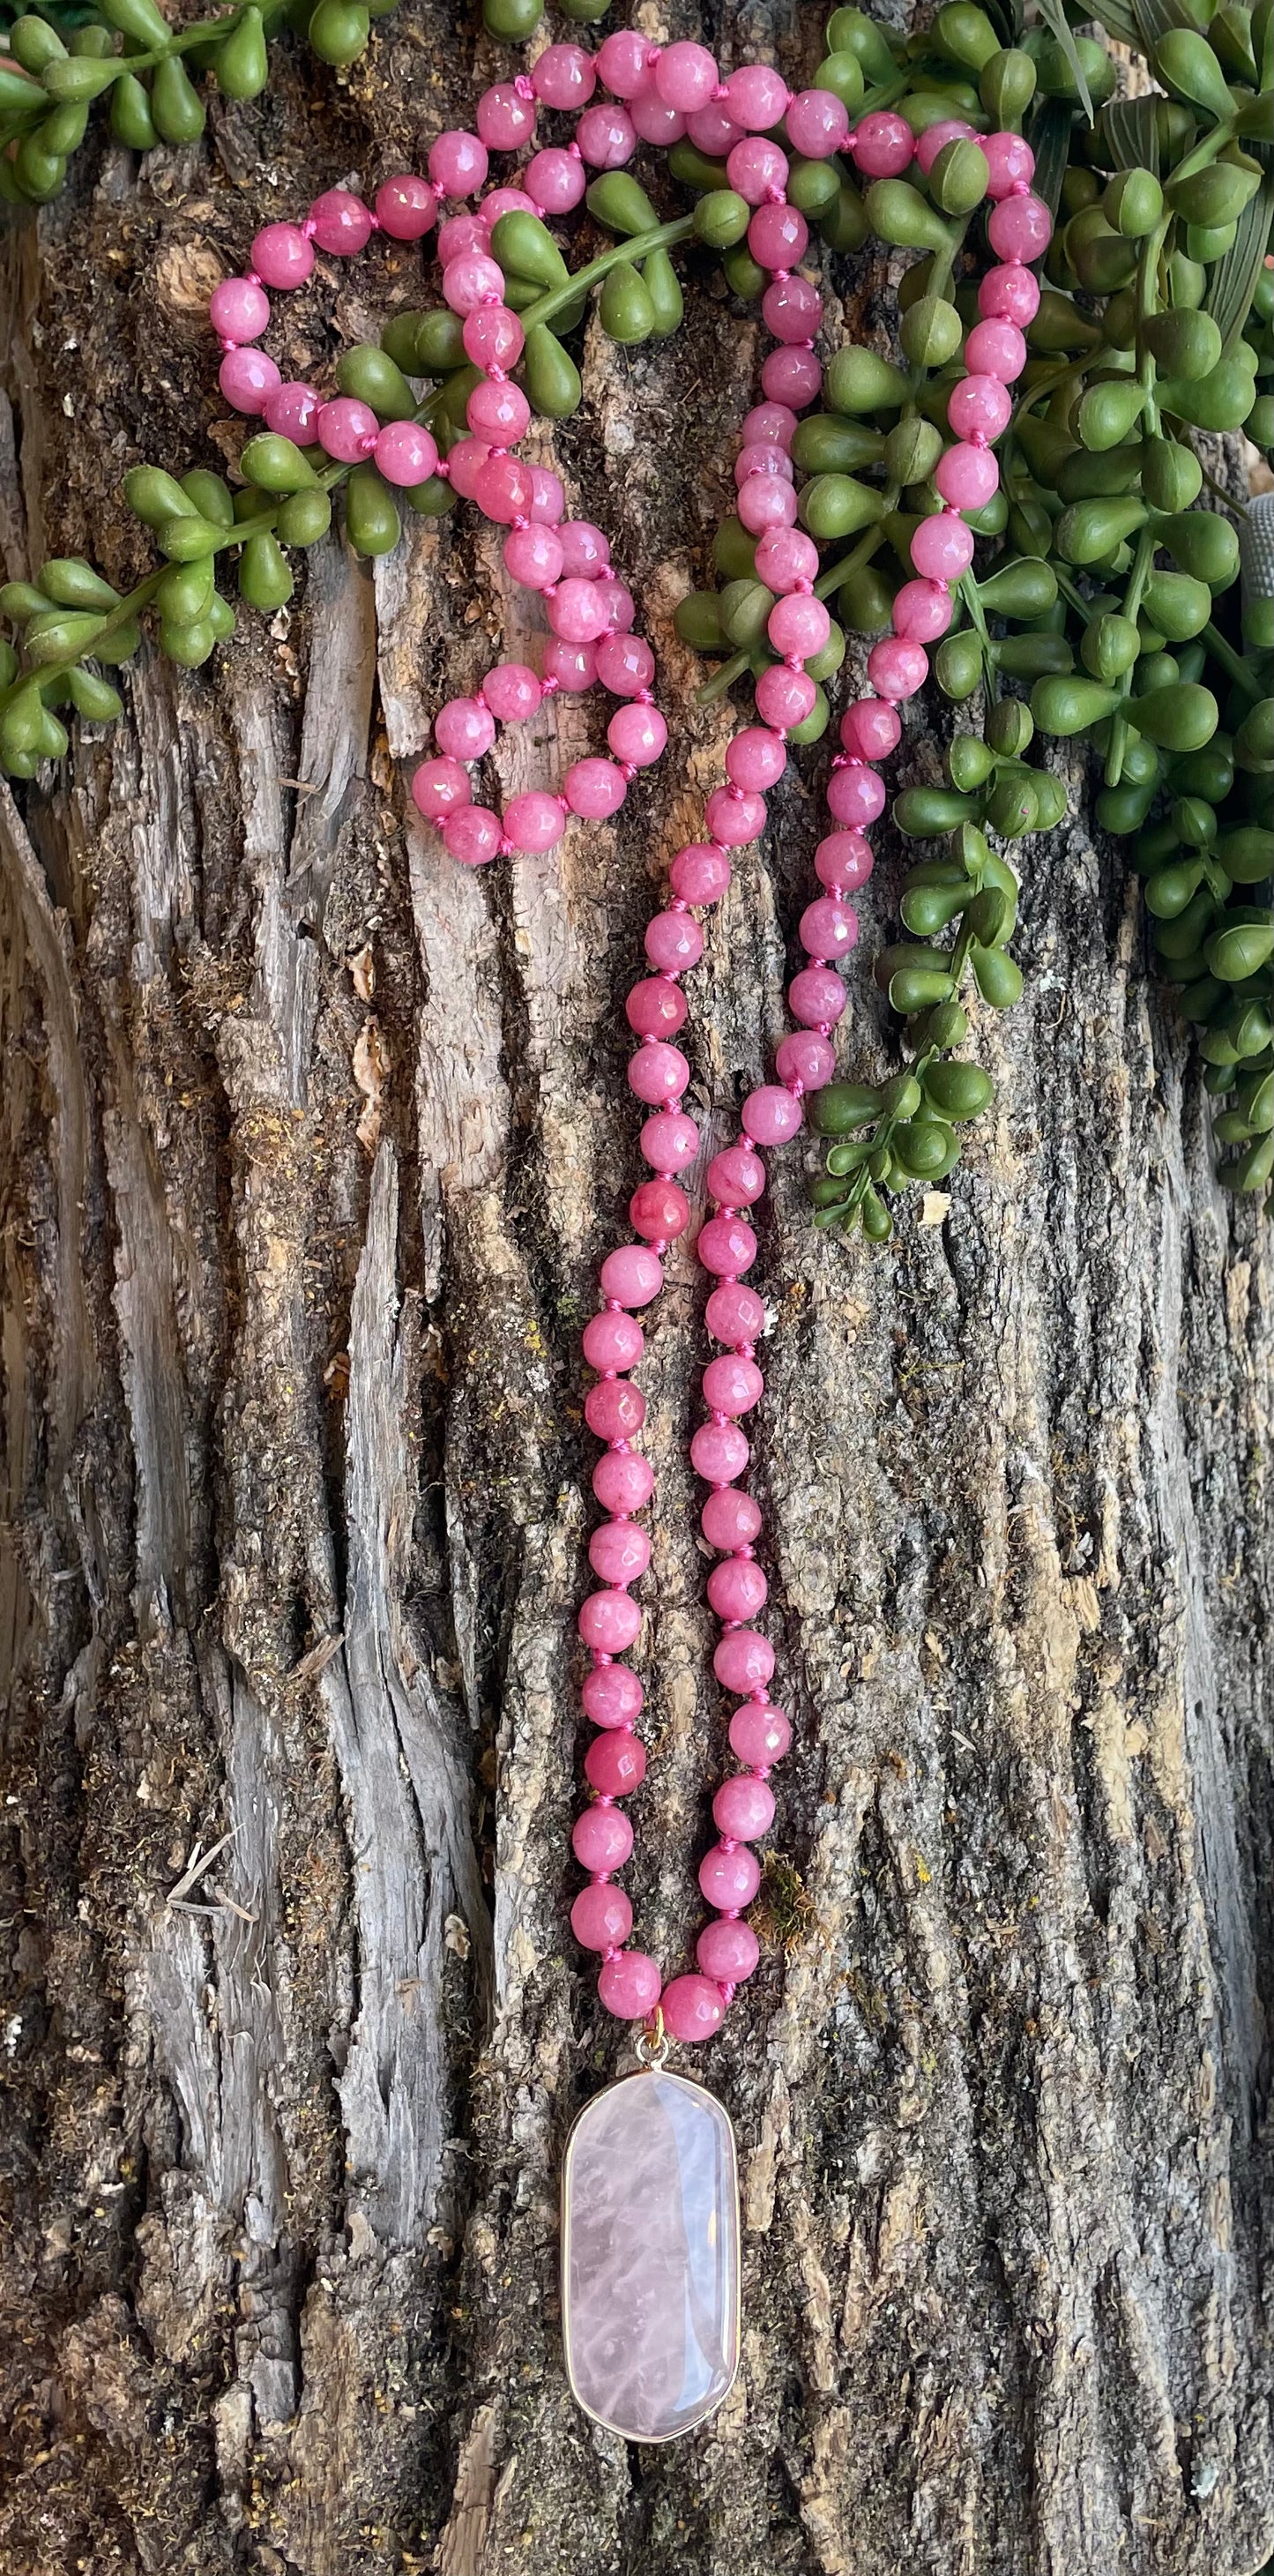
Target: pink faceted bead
column 755, row 759
column 248, row 379
column 653, row 121
column 743, row 1809
column 498, row 412
column 734, row 1314
column 533, row 557
column 613, row 1341
column 730, row 1519
column 464, row 464
column 699, row 874
column 828, row 928
column 686, row 77
column 870, row 729
column 728, row 1878
column 624, row 61
column 713, row 130
column 342, row 223
column 1020, row 228
column 601, row 1918
column 766, row 501
column 629, row 1985
column 768, row 424
column 778, row 236
column 406, row 208
column 615, row 1765
column 619, row 1552
column 966, row 477
column 238, row 310
column 673, row 942
column 762, row 456
column 611, row 1695
column 292, row 410
column 565, row 76
column 756, row 97
column 631, row 1276
column 617, row 604
column 922, row 611
column 785, row 559
column 623, row 1483
column 804, row 1058
column 470, row 280
column 512, row 692
column 942, row 547
column 669, row 1140
column 608, row 1621
column 348, row 430
column 614, row 1410
column 463, row 729
column 733, row 1385
column 405, row 453
column 658, row 1073
column 1009, row 294
column 785, row 697
column 799, row 625
column 727, row 1244
column 602, row 1838
column 743, row 1661
column 995, row 349
column 504, row 119
column 855, row 796
column 771, row 1116
column 759, row 1734
column 505, row 201
column 439, row 786
column 882, row 145
column 816, row 997
column 734, row 1179
column 659, row 1211
column 573, row 667
column 607, row 137
column 594, row 789
column 843, row 860
column 555, row 181
column 693, row 2008
column 534, row 821
column 655, row 1008
column 727, row 1951
column 637, row 734
column 584, row 548
column 283, row 255
column 817, row 124
column 458, row 164
column 737, row 1589
column 733, row 818
column 1012, row 164
column 792, row 375
column 754, row 167
column 949, row 129
column 718, row 1453
column 576, row 611
column 897, row 669
column 625, row 665
column 461, row 234
column 503, row 489
column 979, row 405
column 473, row 835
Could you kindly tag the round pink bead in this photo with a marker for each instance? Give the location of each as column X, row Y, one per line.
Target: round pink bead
column 406, row 208
column 624, row 61
column 754, row 167
column 613, row 1341
column 533, row 557
column 699, row 874
column 817, row 124
column 614, row 1410
column 729, row 1878
column 792, row 375
column 348, row 430
column 658, row 1073
column 733, row 818
column 405, row 453
column 248, row 379
column 461, row 234
column 816, row 997
column 735, row 1178
column 594, row 789
column 763, row 456
column 778, row 236
column 576, row 611
column 785, row 697
column 1020, row 228
column 756, row 759
column 602, row 1838
column 967, row 477
column 897, row 669
column 995, row 349
column 505, row 201
column 572, row 666
column 504, row 119
column 608, row 1621
column 785, row 558
column 615, row 1765
column 473, row 835
column 949, row 129
column 464, row 464
column 759, row 1734
column 565, row 76
column 463, row 729
column 458, row 163
column 737, row 1589
column 730, row 1519
column 555, row 181
column 734, row 1314
column 238, row 310
column 765, row 501
column 922, row 611
column 743, row 1809
column 768, row 424
column 293, row 410
column 659, row 1210
column 805, row 1058
column 726, row 1243
column 503, row 489
column 342, row 223
column 1011, row 163
column 499, row 413
column 882, row 145
column 855, row 795
column 637, row 735
column 629, row 1985
column 612, row 1695
column 283, row 255
column 584, row 548
column 798, row 625
column 843, row 860
column 673, row 942
column 942, row 547
column 719, row 1452
column 979, row 405
column 534, row 821
column 770, row 1115
column 618, row 1552
column 618, row 605
column 733, row 1385
column 713, row 130
column 727, row 1951
column 828, row 928
column 756, row 97
column 625, row 665
column 607, row 137
column 1009, row 295
column 601, row 1918
column 512, row 692
column 669, row 1140
column 470, row 280
column 870, row 729
column 653, row 121
column 623, row 1482
column 439, row 786
column 693, row 2008
column 685, row 77
column 743, row 1661
column 631, row 1276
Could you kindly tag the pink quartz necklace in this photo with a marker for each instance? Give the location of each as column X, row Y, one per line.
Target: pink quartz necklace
column 650, row 2213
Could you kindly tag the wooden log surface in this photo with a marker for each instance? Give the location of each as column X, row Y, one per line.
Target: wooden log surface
column 311, row 1145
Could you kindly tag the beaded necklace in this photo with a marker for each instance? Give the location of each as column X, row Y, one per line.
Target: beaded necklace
column 650, row 2204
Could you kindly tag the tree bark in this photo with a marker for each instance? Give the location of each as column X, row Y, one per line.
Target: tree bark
column 312, row 1143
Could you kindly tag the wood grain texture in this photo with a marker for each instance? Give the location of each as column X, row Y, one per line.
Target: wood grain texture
column 311, row 1145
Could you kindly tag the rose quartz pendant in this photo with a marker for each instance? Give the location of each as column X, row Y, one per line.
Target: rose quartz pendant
column 650, row 2257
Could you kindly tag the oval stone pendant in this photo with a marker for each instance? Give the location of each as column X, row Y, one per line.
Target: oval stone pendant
column 650, row 2256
